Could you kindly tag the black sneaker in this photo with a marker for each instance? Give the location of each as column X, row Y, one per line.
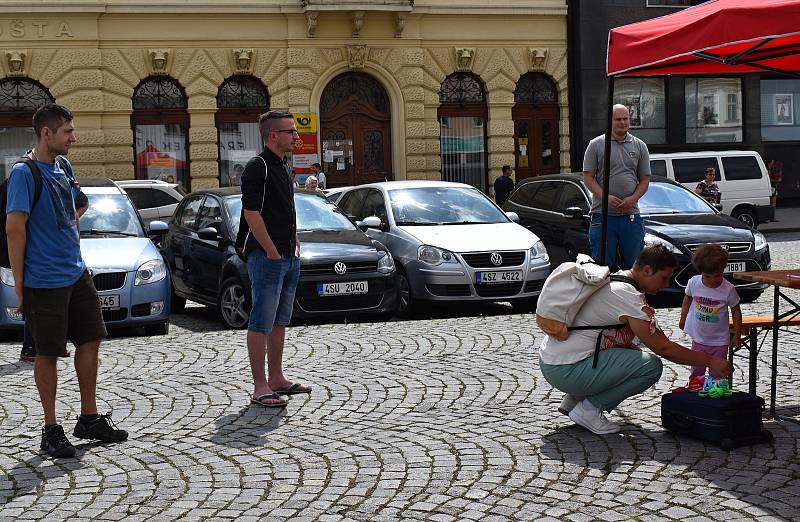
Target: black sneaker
column 55, row 443
column 100, row 428
column 28, row 353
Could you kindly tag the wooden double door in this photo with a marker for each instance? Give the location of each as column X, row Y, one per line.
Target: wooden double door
column 536, row 149
column 356, row 138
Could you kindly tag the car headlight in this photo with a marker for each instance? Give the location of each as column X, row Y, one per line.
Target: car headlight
column 538, row 251
column 435, row 256
column 385, row 263
column 7, row 276
column 760, row 242
column 650, row 240
column 150, row 272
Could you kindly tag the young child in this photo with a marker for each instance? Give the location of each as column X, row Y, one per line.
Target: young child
column 704, row 313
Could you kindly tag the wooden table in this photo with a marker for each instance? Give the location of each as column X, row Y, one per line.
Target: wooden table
column 779, row 279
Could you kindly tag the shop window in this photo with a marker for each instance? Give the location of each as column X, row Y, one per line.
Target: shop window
column 713, row 110
column 462, row 125
column 160, row 125
column 19, row 99
column 645, row 99
column 240, row 101
column 780, row 119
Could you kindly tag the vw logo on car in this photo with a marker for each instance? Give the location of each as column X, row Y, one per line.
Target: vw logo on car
column 496, row 259
column 340, row 268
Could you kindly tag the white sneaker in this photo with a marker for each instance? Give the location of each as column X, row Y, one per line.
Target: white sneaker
column 568, row 403
column 592, row 419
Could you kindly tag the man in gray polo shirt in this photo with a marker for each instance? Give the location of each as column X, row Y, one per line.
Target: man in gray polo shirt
column 630, row 177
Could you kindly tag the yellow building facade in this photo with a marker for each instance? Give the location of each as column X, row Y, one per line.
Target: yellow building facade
column 425, row 89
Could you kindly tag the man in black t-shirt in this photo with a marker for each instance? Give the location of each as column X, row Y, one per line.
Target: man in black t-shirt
column 273, row 257
column 503, row 186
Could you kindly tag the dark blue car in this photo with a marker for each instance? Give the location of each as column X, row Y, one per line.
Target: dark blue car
column 342, row 271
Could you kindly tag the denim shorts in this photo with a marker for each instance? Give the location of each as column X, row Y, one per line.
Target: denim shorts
column 273, row 283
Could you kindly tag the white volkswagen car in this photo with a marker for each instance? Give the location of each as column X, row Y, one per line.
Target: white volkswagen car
column 450, row 242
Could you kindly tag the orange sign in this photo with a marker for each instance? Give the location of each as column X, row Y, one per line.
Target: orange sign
column 305, row 153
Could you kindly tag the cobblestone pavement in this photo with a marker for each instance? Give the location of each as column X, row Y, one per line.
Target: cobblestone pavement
column 441, row 419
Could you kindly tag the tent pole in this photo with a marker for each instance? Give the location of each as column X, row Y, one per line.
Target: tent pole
column 606, row 170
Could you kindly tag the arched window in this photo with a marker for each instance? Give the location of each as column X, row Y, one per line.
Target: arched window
column 19, row 99
column 462, row 123
column 535, row 116
column 160, row 126
column 240, row 101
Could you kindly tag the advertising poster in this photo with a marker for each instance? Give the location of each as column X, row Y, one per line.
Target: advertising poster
column 305, row 151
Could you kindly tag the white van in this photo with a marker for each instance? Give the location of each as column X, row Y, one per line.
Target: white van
column 741, row 176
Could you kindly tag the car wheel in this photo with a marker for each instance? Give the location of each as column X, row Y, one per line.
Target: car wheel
column 525, row 305
column 233, row 303
column 178, row 304
column 157, row 329
column 746, row 216
column 405, row 299
column 749, row 296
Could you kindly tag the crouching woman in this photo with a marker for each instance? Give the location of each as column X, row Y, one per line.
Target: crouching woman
column 623, row 370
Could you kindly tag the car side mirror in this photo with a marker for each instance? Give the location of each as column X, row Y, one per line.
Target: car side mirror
column 574, row 212
column 718, row 206
column 513, row 216
column 157, row 228
column 209, row 234
column 370, row 222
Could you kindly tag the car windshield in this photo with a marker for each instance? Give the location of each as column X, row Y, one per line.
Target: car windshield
column 443, row 206
column 666, row 198
column 110, row 214
column 313, row 213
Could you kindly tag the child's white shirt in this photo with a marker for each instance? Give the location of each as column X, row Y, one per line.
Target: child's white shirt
column 707, row 320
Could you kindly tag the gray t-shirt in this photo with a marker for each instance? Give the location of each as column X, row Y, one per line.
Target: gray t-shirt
column 630, row 161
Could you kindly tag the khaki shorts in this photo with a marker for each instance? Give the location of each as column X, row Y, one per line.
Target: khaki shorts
column 56, row 315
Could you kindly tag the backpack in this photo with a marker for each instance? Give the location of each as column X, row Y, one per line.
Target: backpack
column 37, row 192
column 244, row 228
column 566, row 290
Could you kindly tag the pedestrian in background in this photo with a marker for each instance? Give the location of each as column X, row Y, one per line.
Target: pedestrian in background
column 53, row 286
column 628, row 181
column 320, row 176
column 272, row 251
column 503, row 186
column 708, row 189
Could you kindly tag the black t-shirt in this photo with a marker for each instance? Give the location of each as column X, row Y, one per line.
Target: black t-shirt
column 502, row 188
column 273, row 199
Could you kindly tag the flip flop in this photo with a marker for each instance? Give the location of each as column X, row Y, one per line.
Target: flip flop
column 295, row 389
column 261, row 400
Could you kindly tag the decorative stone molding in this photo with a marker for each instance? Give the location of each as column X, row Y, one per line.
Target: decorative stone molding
column 399, row 24
column 15, row 59
column 358, row 23
column 465, row 56
column 356, row 56
column 158, row 60
column 243, row 60
column 537, row 59
column 311, row 20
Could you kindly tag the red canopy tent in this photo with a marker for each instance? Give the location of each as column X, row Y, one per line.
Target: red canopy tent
column 718, row 37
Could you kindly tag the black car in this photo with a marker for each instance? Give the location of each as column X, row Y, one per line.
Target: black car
column 556, row 208
column 342, row 271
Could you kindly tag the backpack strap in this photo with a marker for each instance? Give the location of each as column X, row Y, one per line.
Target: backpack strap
column 36, row 174
column 620, row 279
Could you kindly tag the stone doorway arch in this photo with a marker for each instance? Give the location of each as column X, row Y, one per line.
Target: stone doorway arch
column 355, row 130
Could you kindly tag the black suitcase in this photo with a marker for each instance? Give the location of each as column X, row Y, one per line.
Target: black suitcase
column 729, row 422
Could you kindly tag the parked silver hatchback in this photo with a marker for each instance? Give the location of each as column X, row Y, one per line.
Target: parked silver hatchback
column 450, row 242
